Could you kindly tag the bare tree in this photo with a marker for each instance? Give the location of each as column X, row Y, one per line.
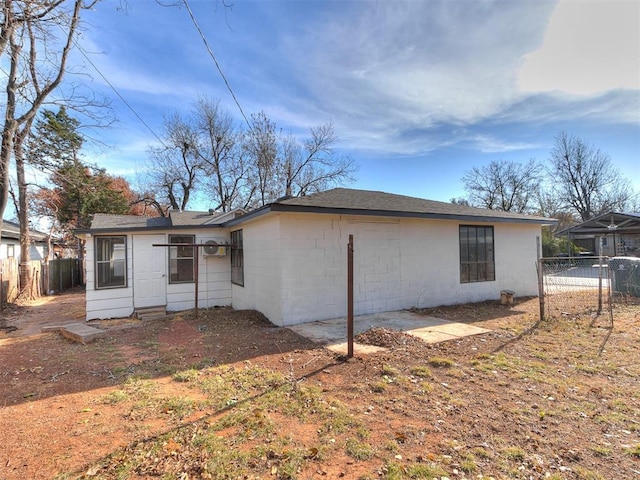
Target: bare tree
column 313, row 165
column 205, row 153
column 37, row 58
column 284, row 165
column 175, row 168
column 503, row 185
column 261, row 146
column 585, row 180
column 224, row 160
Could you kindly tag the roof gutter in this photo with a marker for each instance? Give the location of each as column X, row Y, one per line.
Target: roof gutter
column 279, row 207
column 97, row 231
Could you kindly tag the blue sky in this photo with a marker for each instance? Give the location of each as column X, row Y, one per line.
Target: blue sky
column 419, row 91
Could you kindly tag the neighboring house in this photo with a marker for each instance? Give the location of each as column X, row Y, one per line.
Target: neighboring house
column 10, row 242
column 620, row 233
column 288, row 259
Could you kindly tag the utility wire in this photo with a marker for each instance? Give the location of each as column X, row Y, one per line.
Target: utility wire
column 115, row 90
column 206, row 44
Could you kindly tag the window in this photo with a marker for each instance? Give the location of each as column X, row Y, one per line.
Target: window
column 111, row 262
column 181, row 259
column 237, row 258
column 476, row 254
column 11, row 251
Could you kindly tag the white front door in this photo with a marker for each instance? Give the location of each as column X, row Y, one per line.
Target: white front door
column 149, row 271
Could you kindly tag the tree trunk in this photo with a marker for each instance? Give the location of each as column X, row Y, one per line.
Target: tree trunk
column 26, row 287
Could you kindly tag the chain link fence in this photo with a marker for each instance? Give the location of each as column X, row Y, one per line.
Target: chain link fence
column 587, row 286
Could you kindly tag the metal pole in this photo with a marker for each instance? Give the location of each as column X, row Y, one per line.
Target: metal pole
column 196, row 252
column 350, row 298
column 600, row 260
column 540, row 271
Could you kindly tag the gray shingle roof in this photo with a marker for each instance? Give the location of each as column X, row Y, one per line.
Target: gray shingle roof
column 372, row 202
column 104, row 221
column 12, row 230
column 337, row 200
column 182, row 219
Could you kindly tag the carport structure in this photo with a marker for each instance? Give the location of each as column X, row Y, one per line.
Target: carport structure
column 620, row 233
column 587, row 283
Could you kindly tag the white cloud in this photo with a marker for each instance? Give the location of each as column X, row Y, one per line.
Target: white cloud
column 491, row 144
column 589, row 47
column 379, row 69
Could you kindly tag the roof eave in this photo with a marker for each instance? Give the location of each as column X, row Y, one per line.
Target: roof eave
column 166, row 228
column 279, row 207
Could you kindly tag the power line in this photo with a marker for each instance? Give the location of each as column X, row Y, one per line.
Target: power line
column 206, row 44
column 115, row 90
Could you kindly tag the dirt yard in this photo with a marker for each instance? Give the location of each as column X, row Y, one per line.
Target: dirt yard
column 228, row 395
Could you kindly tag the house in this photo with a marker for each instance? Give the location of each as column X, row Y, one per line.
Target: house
column 619, row 233
column 288, row 259
column 10, row 242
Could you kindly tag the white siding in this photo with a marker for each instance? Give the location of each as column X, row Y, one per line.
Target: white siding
column 36, row 250
column 4, row 248
column 214, row 288
column 295, row 265
column 108, row 302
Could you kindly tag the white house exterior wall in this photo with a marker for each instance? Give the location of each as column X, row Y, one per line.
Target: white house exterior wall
column 398, row 263
column 214, row 288
column 431, row 259
column 263, row 259
column 4, row 248
column 108, row 302
column 36, row 251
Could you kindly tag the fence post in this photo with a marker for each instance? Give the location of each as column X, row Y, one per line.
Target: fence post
column 540, row 272
column 541, row 287
column 350, row 297
column 600, row 259
column 1, row 284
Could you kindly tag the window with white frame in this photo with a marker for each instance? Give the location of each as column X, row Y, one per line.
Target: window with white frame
column 181, row 259
column 111, row 261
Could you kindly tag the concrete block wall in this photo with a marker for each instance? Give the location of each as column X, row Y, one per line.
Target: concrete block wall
column 314, row 257
column 314, row 269
column 516, row 257
column 399, row 263
column 431, row 259
column 262, row 269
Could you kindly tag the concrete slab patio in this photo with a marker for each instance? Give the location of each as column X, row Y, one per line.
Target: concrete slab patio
column 78, row 332
column 333, row 333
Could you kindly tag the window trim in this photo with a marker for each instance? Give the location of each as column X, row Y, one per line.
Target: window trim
column 480, row 264
column 98, row 262
column 237, row 257
column 193, row 257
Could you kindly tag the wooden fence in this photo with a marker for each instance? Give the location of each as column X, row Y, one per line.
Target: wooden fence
column 54, row 276
column 62, row 274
